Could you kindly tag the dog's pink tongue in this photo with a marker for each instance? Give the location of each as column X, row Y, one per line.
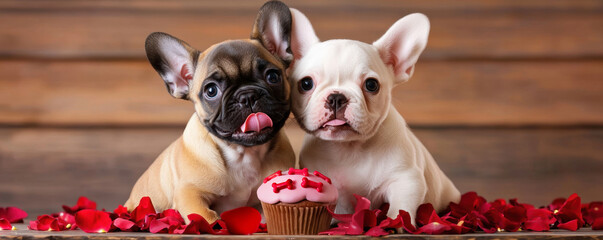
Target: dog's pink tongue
column 256, row 122
column 334, row 122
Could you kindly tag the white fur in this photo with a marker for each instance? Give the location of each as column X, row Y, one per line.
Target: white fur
column 244, row 166
column 380, row 158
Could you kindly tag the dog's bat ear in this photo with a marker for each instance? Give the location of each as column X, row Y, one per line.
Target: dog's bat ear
column 302, row 34
column 402, row 44
column 272, row 28
column 174, row 60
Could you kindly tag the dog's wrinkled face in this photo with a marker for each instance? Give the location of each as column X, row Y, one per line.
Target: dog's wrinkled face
column 238, row 78
column 239, row 87
column 341, row 89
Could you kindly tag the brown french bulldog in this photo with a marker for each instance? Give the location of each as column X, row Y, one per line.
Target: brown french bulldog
column 241, row 98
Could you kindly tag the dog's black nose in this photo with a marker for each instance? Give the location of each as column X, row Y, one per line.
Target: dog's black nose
column 336, row 101
column 248, row 97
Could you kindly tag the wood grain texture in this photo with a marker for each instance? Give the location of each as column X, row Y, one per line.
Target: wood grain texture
column 460, row 29
column 43, row 168
column 23, row 233
column 441, row 93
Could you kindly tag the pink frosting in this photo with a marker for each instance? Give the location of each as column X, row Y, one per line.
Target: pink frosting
column 294, row 192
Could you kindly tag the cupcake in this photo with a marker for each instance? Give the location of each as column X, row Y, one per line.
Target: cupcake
column 295, row 202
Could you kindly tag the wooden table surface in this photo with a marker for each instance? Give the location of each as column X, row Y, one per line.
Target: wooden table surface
column 23, row 233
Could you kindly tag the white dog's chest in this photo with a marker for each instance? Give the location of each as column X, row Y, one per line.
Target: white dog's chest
column 354, row 171
column 357, row 169
column 243, row 166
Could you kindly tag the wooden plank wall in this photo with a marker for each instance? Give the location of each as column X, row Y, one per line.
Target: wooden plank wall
column 507, row 97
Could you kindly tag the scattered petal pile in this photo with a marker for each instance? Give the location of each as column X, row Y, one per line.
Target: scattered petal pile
column 365, row 221
column 11, row 215
column 65, row 220
column 54, row 222
column 144, row 218
column 473, row 213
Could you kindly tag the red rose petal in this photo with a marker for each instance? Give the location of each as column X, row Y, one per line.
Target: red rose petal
column 5, row 224
column 13, row 214
column 598, row 224
column 123, row 224
column 145, row 222
column 356, row 227
column 172, row 221
column 556, row 204
column 33, row 225
column 93, row 221
column 144, row 208
column 376, row 231
column 50, row 223
column 457, row 211
column 539, row 220
column 85, row 203
column 592, row 211
column 469, row 201
column 219, row 228
column 469, row 222
column 370, row 220
column 340, row 217
column 198, row 224
column 433, row 228
column 42, row 223
column 362, row 203
column 262, row 228
column 381, row 213
column 65, row 217
column 571, row 225
column 499, row 205
column 424, row 213
column 435, row 225
column 157, row 226
column 393, row 223
column 242, row 221
column 179, row 230
column 512, row 218
column 82, row 203
column 120, row 210
column 381, row 228
column 404, row 216
column 172, row 215
column 571, row 210
column 55, row 225
column 58, row 225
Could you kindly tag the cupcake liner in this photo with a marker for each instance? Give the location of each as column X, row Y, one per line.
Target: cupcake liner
column 303, row 218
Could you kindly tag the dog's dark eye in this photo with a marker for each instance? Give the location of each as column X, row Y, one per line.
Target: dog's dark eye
column 306, row 84
column 273, row 77
column 211, row 90
column 371, row 85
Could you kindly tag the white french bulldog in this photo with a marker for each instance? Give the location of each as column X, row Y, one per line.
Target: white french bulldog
column 342, row 97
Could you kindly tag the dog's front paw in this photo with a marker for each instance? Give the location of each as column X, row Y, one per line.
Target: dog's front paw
column 212, row 216
column 209, row 215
